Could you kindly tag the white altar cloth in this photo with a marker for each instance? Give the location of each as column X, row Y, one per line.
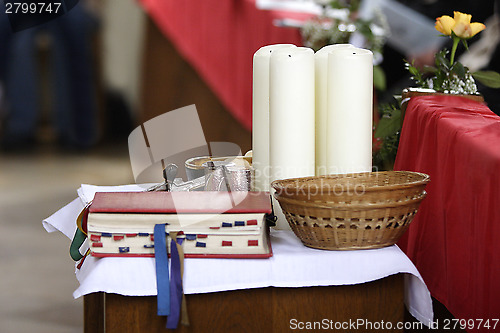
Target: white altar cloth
column 292, row 265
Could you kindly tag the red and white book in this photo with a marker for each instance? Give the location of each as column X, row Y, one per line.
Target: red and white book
column 213, row 224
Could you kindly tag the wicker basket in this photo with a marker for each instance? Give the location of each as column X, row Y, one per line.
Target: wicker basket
column 353, row 211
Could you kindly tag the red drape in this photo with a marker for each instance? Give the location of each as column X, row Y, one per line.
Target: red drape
column 218, row 38
column 454, row 240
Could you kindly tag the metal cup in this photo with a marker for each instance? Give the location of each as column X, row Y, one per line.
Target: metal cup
column 227, row 176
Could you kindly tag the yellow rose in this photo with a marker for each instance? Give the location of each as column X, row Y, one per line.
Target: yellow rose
column 444, row 24
column 460, row 25
column 463, row 28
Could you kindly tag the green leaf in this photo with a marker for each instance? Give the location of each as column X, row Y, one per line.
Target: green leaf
column 388, row 126
column 379, row 80
column 458, row 69
column 413, row 70
column 488, row 78
column 430, row 69
column 441, row 60
column 336, row 5
column 464, row 43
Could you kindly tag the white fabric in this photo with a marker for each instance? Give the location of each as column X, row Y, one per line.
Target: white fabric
column 64, row 220
column 86, row 192
column 292, row 265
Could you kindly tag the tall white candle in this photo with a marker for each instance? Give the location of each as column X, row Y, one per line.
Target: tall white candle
column 260, row 115
column 321, row 75
column 350, row 104
column 291, row 111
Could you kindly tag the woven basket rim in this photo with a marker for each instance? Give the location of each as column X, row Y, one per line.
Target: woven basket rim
column 349, row 206
column 289, row 182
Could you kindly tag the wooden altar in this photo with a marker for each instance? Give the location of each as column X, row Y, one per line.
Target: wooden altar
column 254, row 310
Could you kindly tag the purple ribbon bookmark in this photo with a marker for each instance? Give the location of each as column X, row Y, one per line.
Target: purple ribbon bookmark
column 175, row 284
column 162, row 278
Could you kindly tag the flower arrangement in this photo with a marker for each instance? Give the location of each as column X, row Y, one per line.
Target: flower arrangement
column 337, row 24
column 339, row 21
column 448, row 75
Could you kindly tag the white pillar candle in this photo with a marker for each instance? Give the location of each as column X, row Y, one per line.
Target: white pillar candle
column 291, row 112
column 260, row 115
column 321, row 75
column 350, row 104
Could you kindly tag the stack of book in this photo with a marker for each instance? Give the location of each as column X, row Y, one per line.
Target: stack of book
column 213, row 224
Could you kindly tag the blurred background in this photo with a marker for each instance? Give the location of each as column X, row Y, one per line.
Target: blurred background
column 73, row 81
column 71, row 91
column 74, row 85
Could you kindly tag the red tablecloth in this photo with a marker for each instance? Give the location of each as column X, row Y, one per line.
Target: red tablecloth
column 454, row 240
column 218, row 38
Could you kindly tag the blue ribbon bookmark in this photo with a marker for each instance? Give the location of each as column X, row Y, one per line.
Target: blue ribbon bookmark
column 162, row 277
column 175, row 284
